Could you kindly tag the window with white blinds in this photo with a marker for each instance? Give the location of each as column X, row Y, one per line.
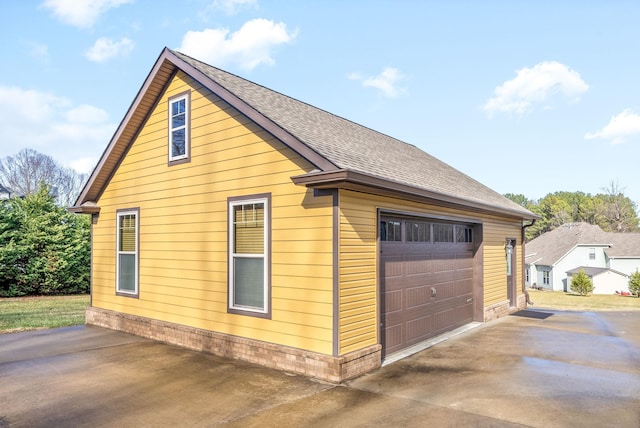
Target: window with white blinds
column 127, row 252
column 248, row 255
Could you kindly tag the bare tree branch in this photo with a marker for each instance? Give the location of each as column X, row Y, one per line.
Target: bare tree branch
column 24, row 172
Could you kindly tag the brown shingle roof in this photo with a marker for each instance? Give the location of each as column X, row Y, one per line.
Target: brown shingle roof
column 328, row 141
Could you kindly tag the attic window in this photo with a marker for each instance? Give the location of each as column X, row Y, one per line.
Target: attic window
column 179, row 132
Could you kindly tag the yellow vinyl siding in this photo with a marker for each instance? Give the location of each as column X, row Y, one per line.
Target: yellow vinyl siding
column 183, row 227
column 495, row 263
column 358, row 272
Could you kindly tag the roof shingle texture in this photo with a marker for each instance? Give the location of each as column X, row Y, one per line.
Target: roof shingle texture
column 353, row 147
column 548, row 248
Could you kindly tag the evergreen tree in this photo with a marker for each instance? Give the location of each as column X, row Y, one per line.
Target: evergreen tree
column 581, row 284
column 634, row 284
column 43, row 248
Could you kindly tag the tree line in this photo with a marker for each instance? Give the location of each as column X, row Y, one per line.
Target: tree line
column 611, row 210
column 46, row 250
column 24, row 172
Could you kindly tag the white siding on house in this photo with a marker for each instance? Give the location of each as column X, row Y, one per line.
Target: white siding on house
column 607, row 282
column 625, row 265
column 578, row 256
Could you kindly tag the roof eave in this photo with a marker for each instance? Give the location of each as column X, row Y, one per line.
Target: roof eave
column 358, row 181
column 87, row 208
column 165, row 67
column 144, row 101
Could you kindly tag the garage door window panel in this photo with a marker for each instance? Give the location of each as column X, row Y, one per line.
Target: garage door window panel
column 391, row 231
column 443, row 233
column 418, row 231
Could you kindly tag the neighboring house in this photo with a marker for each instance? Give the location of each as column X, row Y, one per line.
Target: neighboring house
column 605, row 280
column 5, row 193
column 233, row 219
column 607, row 257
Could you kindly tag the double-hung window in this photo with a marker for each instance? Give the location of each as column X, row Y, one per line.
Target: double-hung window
column 179, row 138
column 127, row 252
column 249, row 255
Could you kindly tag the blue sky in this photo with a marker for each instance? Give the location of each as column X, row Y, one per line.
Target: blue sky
column 526, row 97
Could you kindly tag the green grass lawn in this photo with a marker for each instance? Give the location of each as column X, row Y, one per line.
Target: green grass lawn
column 594, row 302
column 35, row 313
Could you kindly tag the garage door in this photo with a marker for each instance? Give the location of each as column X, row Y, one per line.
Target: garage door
column 426, row 275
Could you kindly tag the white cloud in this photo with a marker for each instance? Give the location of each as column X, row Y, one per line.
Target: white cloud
column 387, row 81
column 74, row 135
column 81, row 13
column 619, row 128
column 534, row 86
column 248, row 47
column 83, row 165
column 231, row 7
column 39, row 51
column 104, row 49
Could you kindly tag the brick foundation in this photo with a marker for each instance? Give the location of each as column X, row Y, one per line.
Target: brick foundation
column 320, row 366
column 499, row 310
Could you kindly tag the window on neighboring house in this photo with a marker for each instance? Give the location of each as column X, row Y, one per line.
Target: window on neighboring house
column 545, row 277
column 249, row 264
column 127, row 252
column 179, row 138
column 592, row 253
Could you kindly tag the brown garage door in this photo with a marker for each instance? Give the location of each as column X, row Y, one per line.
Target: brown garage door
column 426, row 275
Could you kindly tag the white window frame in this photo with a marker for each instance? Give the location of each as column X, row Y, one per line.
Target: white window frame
column 265, row 311
column 187, row 128
column 135, row 253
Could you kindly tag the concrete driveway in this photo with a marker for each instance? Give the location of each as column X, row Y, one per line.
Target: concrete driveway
column 540, row 369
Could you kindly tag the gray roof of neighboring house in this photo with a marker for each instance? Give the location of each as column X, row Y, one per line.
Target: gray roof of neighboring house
column 593, row 271
column 329, row 142
column 548, row 248
column 624, row 245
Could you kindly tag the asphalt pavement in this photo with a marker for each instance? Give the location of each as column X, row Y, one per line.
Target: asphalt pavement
column 538, row 368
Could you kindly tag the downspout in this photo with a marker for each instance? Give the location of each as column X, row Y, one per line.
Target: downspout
column 523, row 239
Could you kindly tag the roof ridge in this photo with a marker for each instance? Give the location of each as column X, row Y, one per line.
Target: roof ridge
column 326, row 140
column 178, row 53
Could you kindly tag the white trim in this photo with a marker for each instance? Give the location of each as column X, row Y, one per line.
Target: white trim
column 119, row 215
column 265, row 255
column 187, row 107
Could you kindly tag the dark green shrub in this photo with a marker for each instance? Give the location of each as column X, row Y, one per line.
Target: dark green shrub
column 43, row 248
